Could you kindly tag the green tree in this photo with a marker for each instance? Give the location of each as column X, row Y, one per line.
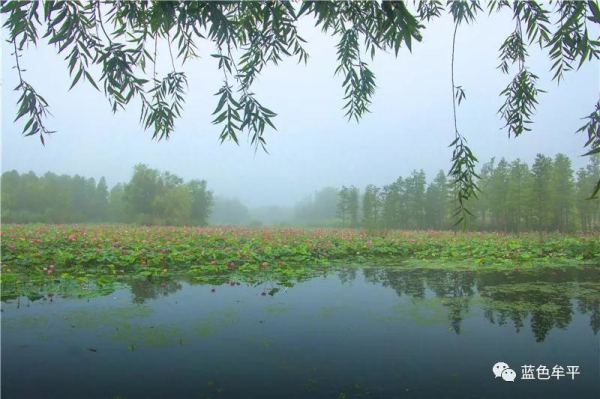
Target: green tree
column 141, row 191
column 50, row 198
column 112, row 44
column 588, row 209
column 414, row 200
column 371, row 207
column 391, row 203
column 155, row 197
column 11, row 182
column 116, row 209
column 56, row 191
column 436, row 202
column 172, row 206
column 593, row 171
column 542, row 192
column 29, row 197
column 202, row 202
column 519, row 181
column 101, row 200
column 498, row 195
column 150, row 197
column 482, row 207
column 563, row 193
column 343, row 206
column 353, row 206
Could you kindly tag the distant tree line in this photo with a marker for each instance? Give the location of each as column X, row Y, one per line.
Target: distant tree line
column 27, row 198
column 232, row 211
column 319, row 208
column 514, row 197
column 229, row 211
column 150, row 197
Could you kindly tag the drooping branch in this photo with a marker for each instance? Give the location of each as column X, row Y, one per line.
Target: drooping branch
column 30, row 103
column 462, row 171
column 592, row 128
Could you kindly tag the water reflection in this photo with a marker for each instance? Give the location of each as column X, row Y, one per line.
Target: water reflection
column 144, row 289
column 547, row 298
column 360, row 332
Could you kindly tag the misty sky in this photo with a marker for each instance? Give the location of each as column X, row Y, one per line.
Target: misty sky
column 409, row 128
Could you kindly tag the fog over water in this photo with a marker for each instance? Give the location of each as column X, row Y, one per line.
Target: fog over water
column 409, row 128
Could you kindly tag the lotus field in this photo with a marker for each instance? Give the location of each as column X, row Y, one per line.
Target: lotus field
column 32, row 252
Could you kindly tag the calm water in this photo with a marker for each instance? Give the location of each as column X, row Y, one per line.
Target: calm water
column 373, row 332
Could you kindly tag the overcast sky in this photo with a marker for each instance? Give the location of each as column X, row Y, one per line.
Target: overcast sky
column 409, row 128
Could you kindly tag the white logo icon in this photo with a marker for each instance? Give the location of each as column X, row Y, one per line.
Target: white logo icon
column 503, row 370
column 509, row 375
column 499, row 368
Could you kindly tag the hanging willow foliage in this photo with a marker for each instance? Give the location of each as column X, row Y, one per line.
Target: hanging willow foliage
column 120, row 39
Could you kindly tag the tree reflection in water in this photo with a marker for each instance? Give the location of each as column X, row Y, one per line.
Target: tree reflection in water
column 546, row 298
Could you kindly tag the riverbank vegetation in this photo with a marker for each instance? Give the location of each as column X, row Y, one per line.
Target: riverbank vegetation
column 95, row 251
